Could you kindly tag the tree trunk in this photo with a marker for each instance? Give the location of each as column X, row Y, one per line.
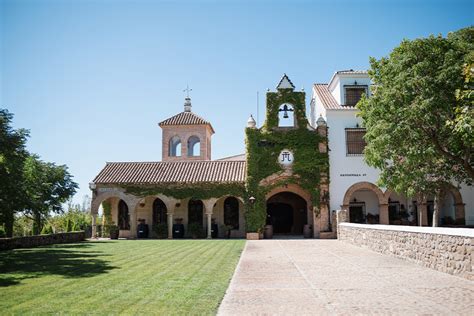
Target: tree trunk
column 37, row 226
column 9, row 218
column 436, row 208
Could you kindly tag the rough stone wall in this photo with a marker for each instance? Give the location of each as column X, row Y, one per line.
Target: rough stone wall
column 41, row 240
column 442, row 252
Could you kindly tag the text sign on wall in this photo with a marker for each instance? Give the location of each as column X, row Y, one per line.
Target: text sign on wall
column 353, row 174
column 286, row 158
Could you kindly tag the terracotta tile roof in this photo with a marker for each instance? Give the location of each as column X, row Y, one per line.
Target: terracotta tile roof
column 329, row 102
column 240, row 157
column 172, row 172
column 185, row 118
column 351, row 71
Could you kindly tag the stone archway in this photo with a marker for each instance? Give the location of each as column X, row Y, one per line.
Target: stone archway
column 300, row 193
column 130, row 200
column 287, row 212
column 459, row 209
column 381, row 197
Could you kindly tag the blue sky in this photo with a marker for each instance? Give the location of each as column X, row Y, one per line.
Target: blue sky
column 91, row 79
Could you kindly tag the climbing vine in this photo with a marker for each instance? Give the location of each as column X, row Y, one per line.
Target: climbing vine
column 199, row 191
column 264, row 146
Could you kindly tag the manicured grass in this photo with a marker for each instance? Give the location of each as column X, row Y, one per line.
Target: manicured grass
column 118, row 277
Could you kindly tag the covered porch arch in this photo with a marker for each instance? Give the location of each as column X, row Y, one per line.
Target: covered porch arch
column 367, row 202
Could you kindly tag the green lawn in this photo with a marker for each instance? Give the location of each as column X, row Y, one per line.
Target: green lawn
column 118, row 277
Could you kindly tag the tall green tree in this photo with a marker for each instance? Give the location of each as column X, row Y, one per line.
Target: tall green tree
column 12, row 156
column 47, row 186
column 419, row 119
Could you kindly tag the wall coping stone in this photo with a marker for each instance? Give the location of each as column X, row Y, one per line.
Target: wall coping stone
column 463, row 232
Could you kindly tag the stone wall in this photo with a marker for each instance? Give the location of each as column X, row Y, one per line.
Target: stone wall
column 41, row 240
column 447, row 250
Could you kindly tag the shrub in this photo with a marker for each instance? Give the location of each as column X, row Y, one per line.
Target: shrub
column 69, row 225
column 114, row 231
column 195, row 230
column 2, row 232
column 47, row 230
column 160, row 230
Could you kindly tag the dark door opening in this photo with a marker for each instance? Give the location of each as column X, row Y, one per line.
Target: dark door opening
column 356, row 214
column 280, row 215
column 287, row 213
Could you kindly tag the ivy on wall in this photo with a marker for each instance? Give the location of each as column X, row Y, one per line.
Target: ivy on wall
column 264, row 146
column 201, row 191
column 107, row 218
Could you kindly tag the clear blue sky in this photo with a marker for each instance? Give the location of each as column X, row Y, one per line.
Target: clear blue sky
column 91, row 79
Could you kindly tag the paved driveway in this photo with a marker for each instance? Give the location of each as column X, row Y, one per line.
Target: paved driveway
column 318, row 277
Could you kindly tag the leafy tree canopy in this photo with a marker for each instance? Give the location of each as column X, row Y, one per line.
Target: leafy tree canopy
column 12, row 156
column 47, row 186
column 420, row 117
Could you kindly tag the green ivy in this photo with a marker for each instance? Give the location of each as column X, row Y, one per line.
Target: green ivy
column 264, row 146
column 199, row 191
column 276, row 99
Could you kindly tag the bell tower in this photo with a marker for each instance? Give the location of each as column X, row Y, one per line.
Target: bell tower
column 285, row 107
column 186, row 136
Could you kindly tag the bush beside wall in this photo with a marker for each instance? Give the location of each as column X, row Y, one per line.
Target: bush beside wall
column 41, row 240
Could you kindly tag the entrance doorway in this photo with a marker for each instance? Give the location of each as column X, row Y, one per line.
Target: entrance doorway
column 288, row 213
column 357, row 213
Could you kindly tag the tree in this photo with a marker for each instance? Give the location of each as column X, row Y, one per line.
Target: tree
column 419, row 120
column 12, row 156
column 48, row 186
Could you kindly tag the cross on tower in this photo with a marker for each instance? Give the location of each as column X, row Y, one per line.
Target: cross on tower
column 187, row 90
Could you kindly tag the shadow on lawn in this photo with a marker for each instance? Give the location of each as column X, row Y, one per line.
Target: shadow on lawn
column 72, row 261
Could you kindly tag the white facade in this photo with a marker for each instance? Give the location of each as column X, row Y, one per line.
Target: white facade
column 328, row 101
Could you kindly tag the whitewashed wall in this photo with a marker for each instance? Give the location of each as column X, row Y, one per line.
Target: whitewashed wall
column 344, row 170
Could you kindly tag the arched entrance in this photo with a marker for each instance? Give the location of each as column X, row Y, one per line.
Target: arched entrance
column 159, row 212
column 365, row 203
column 287, row 212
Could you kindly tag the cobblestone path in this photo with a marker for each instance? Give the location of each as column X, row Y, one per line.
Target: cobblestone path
column 329, row 277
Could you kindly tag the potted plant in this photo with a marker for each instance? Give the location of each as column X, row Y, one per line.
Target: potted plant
column 160, row 230
column 253, row 236
column 114, row 231
column 371, row 218
column 227, row 229
column 268, row 232
column 195, row 230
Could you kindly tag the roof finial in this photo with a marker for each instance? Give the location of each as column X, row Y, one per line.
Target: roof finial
column 285, row 83
column 187, row 100
column 187, row 90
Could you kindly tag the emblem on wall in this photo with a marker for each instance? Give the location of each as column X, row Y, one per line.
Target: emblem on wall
column 286, row 158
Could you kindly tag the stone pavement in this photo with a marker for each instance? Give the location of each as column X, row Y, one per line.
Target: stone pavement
column 329, row 277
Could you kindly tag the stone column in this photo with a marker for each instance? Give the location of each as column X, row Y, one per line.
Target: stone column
column 209, row 225
column 383, row 214
column 460, row 214
column 334, row 222
column 209, row 206
column 324, row 217
column 342, row 215
column 422, row 214
column 94, row 225
column 133, row 218
column 170, row 225
column 316, row 223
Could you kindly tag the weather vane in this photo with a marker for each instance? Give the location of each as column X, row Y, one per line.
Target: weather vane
column 187, row 90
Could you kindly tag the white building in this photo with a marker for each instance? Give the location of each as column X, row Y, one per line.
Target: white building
column 352, row 182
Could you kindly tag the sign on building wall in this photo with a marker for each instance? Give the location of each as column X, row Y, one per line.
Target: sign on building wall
column 286, row 158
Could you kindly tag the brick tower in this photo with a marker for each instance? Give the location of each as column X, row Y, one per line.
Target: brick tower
column 186, row 136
